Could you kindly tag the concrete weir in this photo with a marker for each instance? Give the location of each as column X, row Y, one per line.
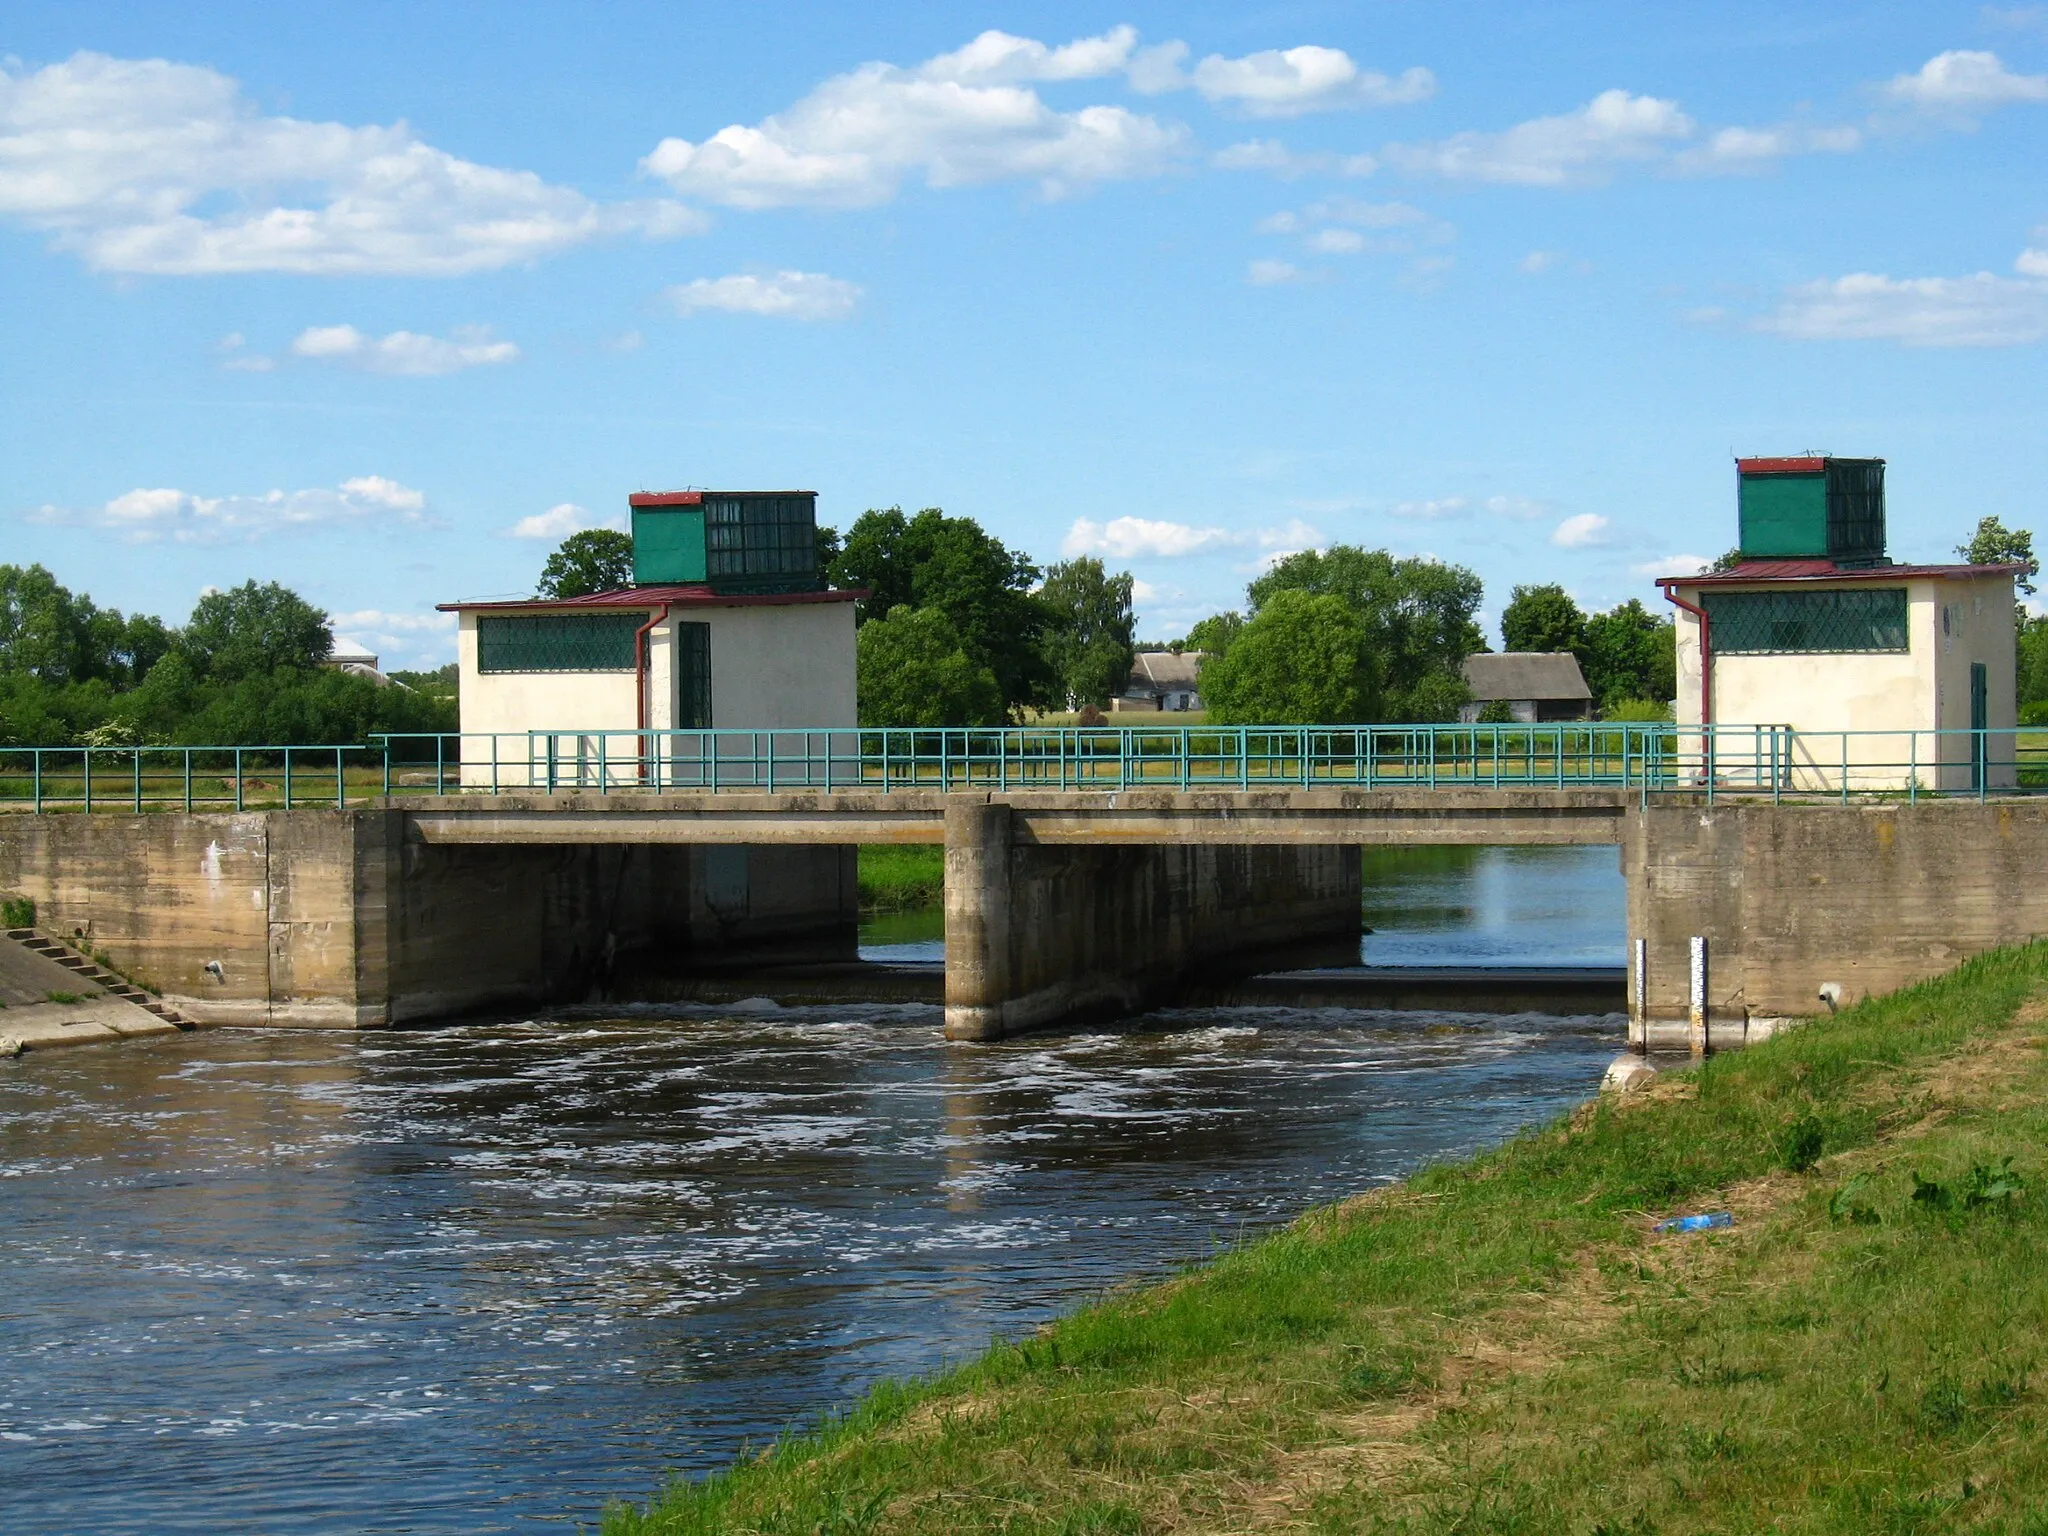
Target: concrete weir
column 1038, row 934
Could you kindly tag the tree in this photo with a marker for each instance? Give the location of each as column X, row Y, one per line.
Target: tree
column 983, row 588
column 253, row 631
column 1418, row 616
column 1995, row 544
column 2033, row 663
column 1543, row 619
column 1088, row 631
column 1630, row 653
column 913, row 669
column 1213, row 635
column 595, row 560
column 1302, row 659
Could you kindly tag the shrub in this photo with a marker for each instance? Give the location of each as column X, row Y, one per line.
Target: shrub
column 17, row 912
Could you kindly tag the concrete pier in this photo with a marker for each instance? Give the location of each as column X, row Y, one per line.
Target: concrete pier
column 1041, row 934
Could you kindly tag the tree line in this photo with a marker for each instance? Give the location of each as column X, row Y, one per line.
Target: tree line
column 243, row 670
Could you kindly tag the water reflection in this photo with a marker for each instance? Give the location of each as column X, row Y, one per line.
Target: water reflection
column 482, row 1278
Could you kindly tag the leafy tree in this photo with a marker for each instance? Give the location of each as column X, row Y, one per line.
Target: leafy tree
column 981, row 586
column 1543, row 619
column 595, row 560
column 56, row 637
column 1418, row 616
column 914, row 669
column 827, row 546
column 2033, row 660
column 1995, row 544
column 1727, row 562
column 252, row 631
column 1088, row 634
column 1303, row 659
column 1214, row 634
column 1630, row 653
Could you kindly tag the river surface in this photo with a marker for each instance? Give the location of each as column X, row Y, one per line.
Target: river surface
column 485, row 1277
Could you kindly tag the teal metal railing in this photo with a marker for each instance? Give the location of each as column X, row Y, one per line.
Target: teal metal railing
column 1746, row 760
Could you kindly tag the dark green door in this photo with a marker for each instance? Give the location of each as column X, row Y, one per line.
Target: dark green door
column 1980, row 721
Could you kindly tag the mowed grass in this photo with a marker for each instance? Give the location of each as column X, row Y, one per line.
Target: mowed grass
column 1503, row 1345
column 901, row 877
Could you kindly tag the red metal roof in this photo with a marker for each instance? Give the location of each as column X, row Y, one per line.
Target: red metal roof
column 673, row 597
column 1754, row 571
column 1799, row 466
column 696, row 498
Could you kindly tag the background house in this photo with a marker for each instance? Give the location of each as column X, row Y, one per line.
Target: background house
column 1534, row 685
column 1162, row 680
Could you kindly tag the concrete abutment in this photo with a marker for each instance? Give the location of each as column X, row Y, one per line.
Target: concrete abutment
column 1044, row 934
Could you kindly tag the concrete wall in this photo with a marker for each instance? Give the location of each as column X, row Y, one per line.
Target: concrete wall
column 1039, row 935
column 336, row 919
column 1862, row 898
column 780, row 665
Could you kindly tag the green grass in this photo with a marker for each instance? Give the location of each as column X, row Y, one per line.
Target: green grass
column 1502, row 1345
column 69, row 997
column 901, row 877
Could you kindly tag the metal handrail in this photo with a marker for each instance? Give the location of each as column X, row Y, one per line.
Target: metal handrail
column 1651, row 758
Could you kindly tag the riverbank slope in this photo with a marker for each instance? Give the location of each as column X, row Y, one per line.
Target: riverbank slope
column 1505, row 1344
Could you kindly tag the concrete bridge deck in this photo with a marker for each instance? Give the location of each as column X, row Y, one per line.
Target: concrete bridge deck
column 1347, row 817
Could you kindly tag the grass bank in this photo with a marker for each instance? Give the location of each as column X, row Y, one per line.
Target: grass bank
column 1504, row 1345
column 901, row 877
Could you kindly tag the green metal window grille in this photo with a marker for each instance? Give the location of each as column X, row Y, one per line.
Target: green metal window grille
column 760, row 536
column 1802, row 623
column 693, row 677
column 558, row 642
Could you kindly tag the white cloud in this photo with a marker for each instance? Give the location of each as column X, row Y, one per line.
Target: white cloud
column 1738, row 150
column 1347, row 225
column 625, row 341
column 1672, row 565
column 147, row 166
column 425, row 636
column 1982, row 310
column 1575, row 147
column 1272, row 155
column 1440, row 507
column 1336, row 242
column 561, row 520
column 1966, row 82
column 1126, row 538
column 147, row 515
column 782, row 295
column 1287, row 82
column 1130, row 538
column 404, row 352
column 960, row 119
column 1266, row 273
column 1580, row 531
column 1540, row 261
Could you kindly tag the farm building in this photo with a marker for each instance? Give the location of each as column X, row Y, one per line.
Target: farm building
column 1534, row 685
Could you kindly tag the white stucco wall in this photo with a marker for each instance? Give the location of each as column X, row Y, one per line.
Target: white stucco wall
column 780, row 666
column 1950, row 623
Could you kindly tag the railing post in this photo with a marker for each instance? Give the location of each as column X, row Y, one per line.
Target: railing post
column 287, row 778
column 239, row 801
column 188, row 781
column 340, row 797
column 138, row 778
column 35, row 771
column 88, row 779
column 387, row 768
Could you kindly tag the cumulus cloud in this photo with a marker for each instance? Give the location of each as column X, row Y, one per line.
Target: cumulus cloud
column 1981, row 310
column 1348, row 225
column 1265, row 273
column 1964, row 82
column 1738, row 150
column 1580, row 531
column 1613, row 128
column 961, row 119
column 236, row 359
column 1439, row 507
column 561, row 520
column 780, row 295
column 1287, row 82
column 428, row 636
column 1275, row 157
column 1672, row 565
column 404, row 352
column 1129, row 538
column 145, row 516
column 148, row 166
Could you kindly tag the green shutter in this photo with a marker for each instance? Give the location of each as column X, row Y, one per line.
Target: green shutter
column 1803, row 623
column 558, row 642
column 668, row 545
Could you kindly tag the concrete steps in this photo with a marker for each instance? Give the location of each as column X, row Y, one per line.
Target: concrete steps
column 105, row 980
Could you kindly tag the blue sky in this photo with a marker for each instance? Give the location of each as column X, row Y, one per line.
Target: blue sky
column 379, row 300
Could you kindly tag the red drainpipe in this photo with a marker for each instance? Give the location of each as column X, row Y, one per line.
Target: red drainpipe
column 1706, row 652
column 640, row 673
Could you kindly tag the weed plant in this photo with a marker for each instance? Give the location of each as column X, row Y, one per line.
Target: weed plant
column 1503, row 1346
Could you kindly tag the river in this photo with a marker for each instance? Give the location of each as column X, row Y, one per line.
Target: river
column 483, row 1277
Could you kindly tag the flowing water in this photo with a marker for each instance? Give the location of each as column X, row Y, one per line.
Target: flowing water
column 483, row 1277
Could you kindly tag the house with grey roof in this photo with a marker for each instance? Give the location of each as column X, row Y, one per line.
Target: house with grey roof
column 1535, row 686
column 1162, row 680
